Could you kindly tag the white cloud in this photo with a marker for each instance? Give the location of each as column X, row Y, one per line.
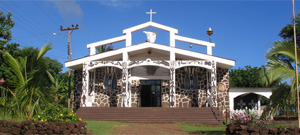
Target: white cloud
column 119, row 3
column 70, row 10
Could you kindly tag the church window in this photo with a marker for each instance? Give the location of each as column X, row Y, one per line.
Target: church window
column 195, row 82
column 106, row 82
column 187, row 83
column 114, row 82
column 91, row 82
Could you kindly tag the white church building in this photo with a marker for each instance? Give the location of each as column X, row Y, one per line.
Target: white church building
column 149, row 74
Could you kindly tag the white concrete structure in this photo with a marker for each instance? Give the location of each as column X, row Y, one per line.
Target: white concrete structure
column 239, row 98
column 144, row 62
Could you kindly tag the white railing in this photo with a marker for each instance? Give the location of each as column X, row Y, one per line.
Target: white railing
column 243, row 111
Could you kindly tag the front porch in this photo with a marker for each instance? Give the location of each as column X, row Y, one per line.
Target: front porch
column 151, row 84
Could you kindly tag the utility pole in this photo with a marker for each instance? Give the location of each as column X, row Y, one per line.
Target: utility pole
column 296, row 60
column 70, row 30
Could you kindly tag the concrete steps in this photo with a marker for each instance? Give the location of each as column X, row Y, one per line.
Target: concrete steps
column 202, row 115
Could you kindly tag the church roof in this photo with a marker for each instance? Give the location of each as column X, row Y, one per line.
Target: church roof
column 161, row 52
column 180, row 54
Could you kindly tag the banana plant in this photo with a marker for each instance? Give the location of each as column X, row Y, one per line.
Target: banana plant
column 27, row 92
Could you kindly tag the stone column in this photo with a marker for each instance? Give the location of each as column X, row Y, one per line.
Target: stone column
column 126, row 94
column 213, row 84
column 172, row 84
column 85, row 85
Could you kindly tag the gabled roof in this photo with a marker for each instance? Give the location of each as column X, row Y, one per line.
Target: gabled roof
column 150, row 24
column 75, row 64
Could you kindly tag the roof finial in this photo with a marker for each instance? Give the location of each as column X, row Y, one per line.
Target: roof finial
column 209, row 33
column 150, row 14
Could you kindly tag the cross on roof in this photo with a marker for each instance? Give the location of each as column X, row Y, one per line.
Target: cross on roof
column 150, row 14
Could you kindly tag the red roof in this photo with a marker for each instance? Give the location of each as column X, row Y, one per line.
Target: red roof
column 2, row 80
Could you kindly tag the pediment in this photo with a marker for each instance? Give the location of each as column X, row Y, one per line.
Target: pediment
column 150, row 24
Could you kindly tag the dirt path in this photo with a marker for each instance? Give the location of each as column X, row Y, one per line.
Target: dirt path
column 167, row 129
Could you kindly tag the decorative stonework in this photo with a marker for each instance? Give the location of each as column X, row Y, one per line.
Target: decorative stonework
column 107, row 97
column 223, row 97
column 191, row 97
column 95, row 64
column 213, row 88
column 199, row 63
column 165, row 91
column 85, row 85
column 149, row 62
column 135, row 94
column 77, row 88
column 126, row 93
column 172, row 85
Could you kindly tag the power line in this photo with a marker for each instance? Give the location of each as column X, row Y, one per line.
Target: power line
column 32, row 29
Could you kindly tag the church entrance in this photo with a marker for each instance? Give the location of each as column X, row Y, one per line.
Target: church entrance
column 150, row 93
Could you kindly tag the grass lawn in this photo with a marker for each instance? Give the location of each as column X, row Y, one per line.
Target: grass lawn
column 203, row 129
column 102, row 127
column 107, row 127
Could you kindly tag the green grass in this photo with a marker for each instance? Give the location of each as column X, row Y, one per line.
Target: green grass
column 102, row 127
column 279, row 126
column 202, row 128
column 5, row 117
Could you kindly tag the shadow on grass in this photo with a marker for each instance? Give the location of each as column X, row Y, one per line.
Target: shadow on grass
column 102, row 127
column 203, row 129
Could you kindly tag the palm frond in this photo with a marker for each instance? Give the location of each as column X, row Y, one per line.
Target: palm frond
column 14, row 65
column 44, row 49
column 283, row 48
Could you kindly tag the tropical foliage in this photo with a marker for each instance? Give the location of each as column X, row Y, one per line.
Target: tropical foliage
column 56, row 113
column 27, row 92
column 33, row 81
column 247, row 119
column 280, row 102
column 281, row 68
column 104, row 48
column 246, row 77
column 6, row 23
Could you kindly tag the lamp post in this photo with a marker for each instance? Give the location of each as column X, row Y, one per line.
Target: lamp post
column 70, row 30
column 69, row 59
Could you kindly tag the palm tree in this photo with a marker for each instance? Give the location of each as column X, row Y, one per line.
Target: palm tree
column 279, row 68
column 27, row 92
column 104, row 48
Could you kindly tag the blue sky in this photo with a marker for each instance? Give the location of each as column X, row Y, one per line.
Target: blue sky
column 243, row 30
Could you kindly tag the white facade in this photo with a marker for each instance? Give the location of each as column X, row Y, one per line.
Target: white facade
column 166, row 58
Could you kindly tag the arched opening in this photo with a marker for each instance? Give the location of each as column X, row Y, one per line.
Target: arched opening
column 251, row 101
column 148, row 88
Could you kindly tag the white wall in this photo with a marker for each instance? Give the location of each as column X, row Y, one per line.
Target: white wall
column 235, row 92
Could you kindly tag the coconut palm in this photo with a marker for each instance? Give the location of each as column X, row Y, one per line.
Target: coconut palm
column 104, row 48
column 27, row 92
column 280, row 67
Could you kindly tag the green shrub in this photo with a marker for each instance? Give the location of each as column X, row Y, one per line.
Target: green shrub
column 247, row 119
column 56, row 113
